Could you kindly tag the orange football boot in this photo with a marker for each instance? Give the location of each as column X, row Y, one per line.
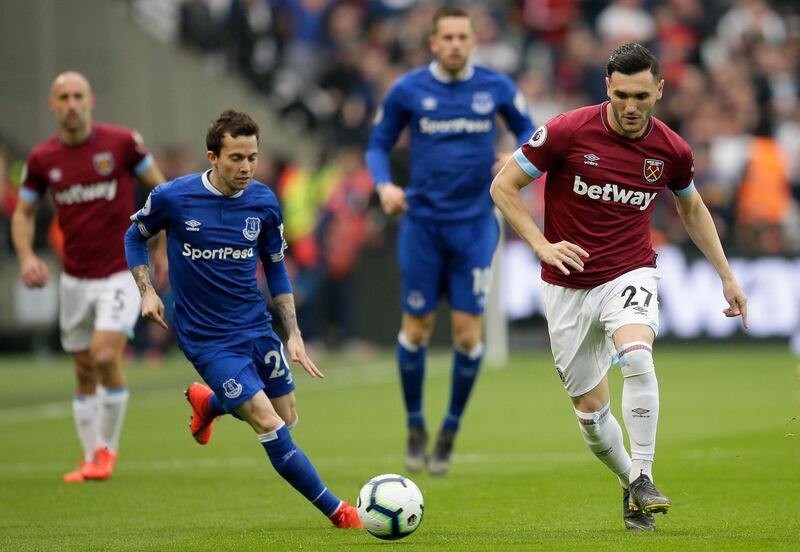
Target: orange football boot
column 346, row 517
column 202, row 423
column 103, row 465
column 77, row 476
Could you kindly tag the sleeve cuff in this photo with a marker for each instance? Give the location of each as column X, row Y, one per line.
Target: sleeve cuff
column 144, row 164
column 529, row 168
column 686, row 191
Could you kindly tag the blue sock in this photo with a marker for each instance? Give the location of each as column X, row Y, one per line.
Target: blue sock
column 295, row 467
column 411, row 362
column 215, row 406
column 465, row 372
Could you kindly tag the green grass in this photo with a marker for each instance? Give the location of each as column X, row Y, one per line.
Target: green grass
column 522, row 479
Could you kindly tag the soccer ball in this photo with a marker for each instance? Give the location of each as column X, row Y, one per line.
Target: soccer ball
column 390, row 506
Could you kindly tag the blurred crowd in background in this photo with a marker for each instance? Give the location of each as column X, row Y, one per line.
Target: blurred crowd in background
column 732, row 71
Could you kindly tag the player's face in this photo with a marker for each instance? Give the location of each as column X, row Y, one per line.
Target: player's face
column 72, row 101
column 633, row 98
column 452, row 42
column 236, row 163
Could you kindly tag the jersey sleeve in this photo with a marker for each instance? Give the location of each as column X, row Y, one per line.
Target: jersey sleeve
column 154, row 215
column 271, row 251
column 514, row 110
column 545, row 148
column 34, row 182
column 683, row 182
column 138, row 158
column 389, row 121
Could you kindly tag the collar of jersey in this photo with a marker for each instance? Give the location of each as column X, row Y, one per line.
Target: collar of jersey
column 440, row 75
column 210, row 187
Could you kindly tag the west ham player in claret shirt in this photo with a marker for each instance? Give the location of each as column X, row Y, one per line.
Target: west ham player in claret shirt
column 90, row 170
column 605, row 165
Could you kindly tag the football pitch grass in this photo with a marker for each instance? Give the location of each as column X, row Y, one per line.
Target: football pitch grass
column 522, row 478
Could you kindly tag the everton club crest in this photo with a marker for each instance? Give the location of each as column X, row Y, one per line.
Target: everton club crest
column 653, row 169
column 103, row 163
column 252, row 227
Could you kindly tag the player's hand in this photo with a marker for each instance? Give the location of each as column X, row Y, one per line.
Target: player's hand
column 34, row 272
column 562, row 255
column 153, row 308
column 737, row 300
column 393, row 199
column 297, row 352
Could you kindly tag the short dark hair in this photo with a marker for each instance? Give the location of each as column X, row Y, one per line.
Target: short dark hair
column 632, row 58
column 230, row 121
column 447, row 11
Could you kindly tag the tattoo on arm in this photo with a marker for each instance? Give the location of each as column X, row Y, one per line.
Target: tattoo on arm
column 284, row 304
column 142, row 277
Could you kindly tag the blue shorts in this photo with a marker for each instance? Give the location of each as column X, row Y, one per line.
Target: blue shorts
column 237, row 373
column 446, row 257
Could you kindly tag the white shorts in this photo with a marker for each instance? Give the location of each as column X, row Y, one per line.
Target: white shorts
column 582, row 323
column 108, row 304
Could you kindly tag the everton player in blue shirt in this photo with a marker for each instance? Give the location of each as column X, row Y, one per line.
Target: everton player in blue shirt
column 218, row 227
column 448, row 234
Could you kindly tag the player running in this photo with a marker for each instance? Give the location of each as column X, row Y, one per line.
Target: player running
column 448, row 233
column 605, row 165
column 90, row 170
column 219, row 224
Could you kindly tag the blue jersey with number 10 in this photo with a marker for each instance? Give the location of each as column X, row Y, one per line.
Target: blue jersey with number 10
column 452, row 133
column 214, row 243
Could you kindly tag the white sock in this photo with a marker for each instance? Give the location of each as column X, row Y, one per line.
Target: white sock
column 602, row 433
column 640, row 413
column 84, row 410
column 113, row 402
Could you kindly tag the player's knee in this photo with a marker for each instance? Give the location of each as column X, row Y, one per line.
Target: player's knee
column 104, row 358
column 413, row 338
column 86, row 378
column 264, row 421
column 467, row 341
column 636, row 359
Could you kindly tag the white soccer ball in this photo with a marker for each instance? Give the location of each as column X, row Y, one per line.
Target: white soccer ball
column 390, row 506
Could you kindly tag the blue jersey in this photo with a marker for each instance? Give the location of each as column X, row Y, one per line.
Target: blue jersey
column 452, row 133
column 214, row 243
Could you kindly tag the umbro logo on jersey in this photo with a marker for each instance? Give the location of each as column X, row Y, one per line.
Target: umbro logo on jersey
column 193, row 225
column 429, row 103
column 591, row 159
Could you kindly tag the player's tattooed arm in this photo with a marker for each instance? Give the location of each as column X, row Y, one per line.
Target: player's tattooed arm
column 284, row 305
column 141, row 276
column 152, row 306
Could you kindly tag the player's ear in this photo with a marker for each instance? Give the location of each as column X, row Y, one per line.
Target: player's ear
column 212, row 158
column 608, row 88
column 660, row 89
column 92, row 101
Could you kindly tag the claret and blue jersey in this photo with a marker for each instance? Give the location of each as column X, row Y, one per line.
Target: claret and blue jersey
column 452, row 135
column 214, row 243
